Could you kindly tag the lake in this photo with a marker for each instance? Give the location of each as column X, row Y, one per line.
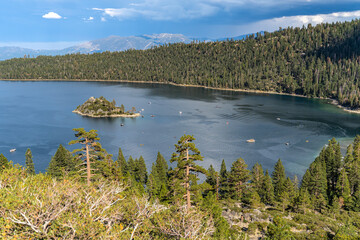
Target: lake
column 38, row 115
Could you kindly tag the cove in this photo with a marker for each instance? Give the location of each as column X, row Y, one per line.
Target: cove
column 38, row 115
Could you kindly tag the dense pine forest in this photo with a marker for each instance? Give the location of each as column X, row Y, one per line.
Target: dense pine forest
column 314, row 61
column 88, row 194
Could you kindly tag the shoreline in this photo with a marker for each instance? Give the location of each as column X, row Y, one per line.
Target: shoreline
column 111, row 116
column 346, row 109
column 331, row 101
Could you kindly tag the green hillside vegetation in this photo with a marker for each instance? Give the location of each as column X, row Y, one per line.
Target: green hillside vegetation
column 101, row 107
column 120, row 199
column 314, row 61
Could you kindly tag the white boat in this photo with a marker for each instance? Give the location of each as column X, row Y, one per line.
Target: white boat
column 250, row 140
column 278, row 119
column 13, row 150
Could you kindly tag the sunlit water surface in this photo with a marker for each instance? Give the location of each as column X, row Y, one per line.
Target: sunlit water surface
column 38, row 115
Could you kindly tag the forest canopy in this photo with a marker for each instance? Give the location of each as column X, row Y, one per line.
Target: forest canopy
column 315, row 61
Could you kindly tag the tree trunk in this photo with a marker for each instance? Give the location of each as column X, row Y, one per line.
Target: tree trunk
column 188, row 203
column 88, row 169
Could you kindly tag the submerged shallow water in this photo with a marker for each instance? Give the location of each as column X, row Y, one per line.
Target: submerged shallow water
column 38, row 115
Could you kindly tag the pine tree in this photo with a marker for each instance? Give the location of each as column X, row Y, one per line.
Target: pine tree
column 153, row 183
column 278, row 178
column 267, row 190
column 121, row 163
column 161, row 168
column 303, row 200
column 140, row 171
column 289, row 188
column 131, row 166
column 92, row 150
column 257, row 178
column 224, row 184
column 318, row 184
column 186, row 169
column 238, row 177
column 62, row 162
column 213, row 179
column 343, row 189
column 29, row 164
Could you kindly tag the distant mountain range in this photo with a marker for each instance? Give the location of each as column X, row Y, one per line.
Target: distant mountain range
column 112, row 43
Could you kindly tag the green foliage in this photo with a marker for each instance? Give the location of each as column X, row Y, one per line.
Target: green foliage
column 347, row 232
column 267, row 191
column 29, row 164
column 279, row 230
column 140, row 172
column 62, row 163
column 184, row 176
column 4, row 163
column 238, row 177
column 121, row 163
column 314, row 61
column 278, row 178
column 101, row 107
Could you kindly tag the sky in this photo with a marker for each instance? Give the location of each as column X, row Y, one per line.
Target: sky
column 56, row 24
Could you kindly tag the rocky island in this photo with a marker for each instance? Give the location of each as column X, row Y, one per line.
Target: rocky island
column 101, row 107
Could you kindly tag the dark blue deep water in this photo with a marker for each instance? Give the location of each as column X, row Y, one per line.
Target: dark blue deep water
column 38, row 115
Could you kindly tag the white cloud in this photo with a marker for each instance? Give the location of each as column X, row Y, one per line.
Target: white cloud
column 88, row 19
column 162, row 10
column 284, row 22
column 194, row 9
column 51, row 15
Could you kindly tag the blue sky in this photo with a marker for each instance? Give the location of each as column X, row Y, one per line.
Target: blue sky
column 50, row 24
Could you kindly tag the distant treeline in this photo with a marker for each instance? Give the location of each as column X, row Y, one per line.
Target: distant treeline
column 320, row 61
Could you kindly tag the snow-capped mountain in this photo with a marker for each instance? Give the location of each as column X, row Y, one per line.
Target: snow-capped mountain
column 112, row 43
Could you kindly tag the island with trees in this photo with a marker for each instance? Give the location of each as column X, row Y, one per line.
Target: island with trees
column 101, row 107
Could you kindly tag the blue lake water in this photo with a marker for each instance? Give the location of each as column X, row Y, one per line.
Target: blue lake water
column 38, row 115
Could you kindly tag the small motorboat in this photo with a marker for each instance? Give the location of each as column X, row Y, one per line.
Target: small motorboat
column 13, row 150
column 152, row 115
column 287, row 144
column 278, row 119
column 250, row 140
column 122, row 124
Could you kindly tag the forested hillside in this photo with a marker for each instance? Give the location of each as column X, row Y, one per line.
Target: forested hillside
column 87, row 194
column 320, row 61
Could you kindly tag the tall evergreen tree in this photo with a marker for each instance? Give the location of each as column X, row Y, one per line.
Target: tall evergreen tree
column 343, row 189
column 185, row 172
column 238, row 177
column 121, row 163
column 224, row 184
column 257, row 178
column 62, row 162
column 278, row 178
column 161, row 168
column 213, row 179
column 267, row 192
column 140, row 170
column 92, row 150
column 30, row 168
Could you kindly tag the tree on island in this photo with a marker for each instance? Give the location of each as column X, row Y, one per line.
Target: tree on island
column 185, row 171
column 90, row 152
column 29, row 164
